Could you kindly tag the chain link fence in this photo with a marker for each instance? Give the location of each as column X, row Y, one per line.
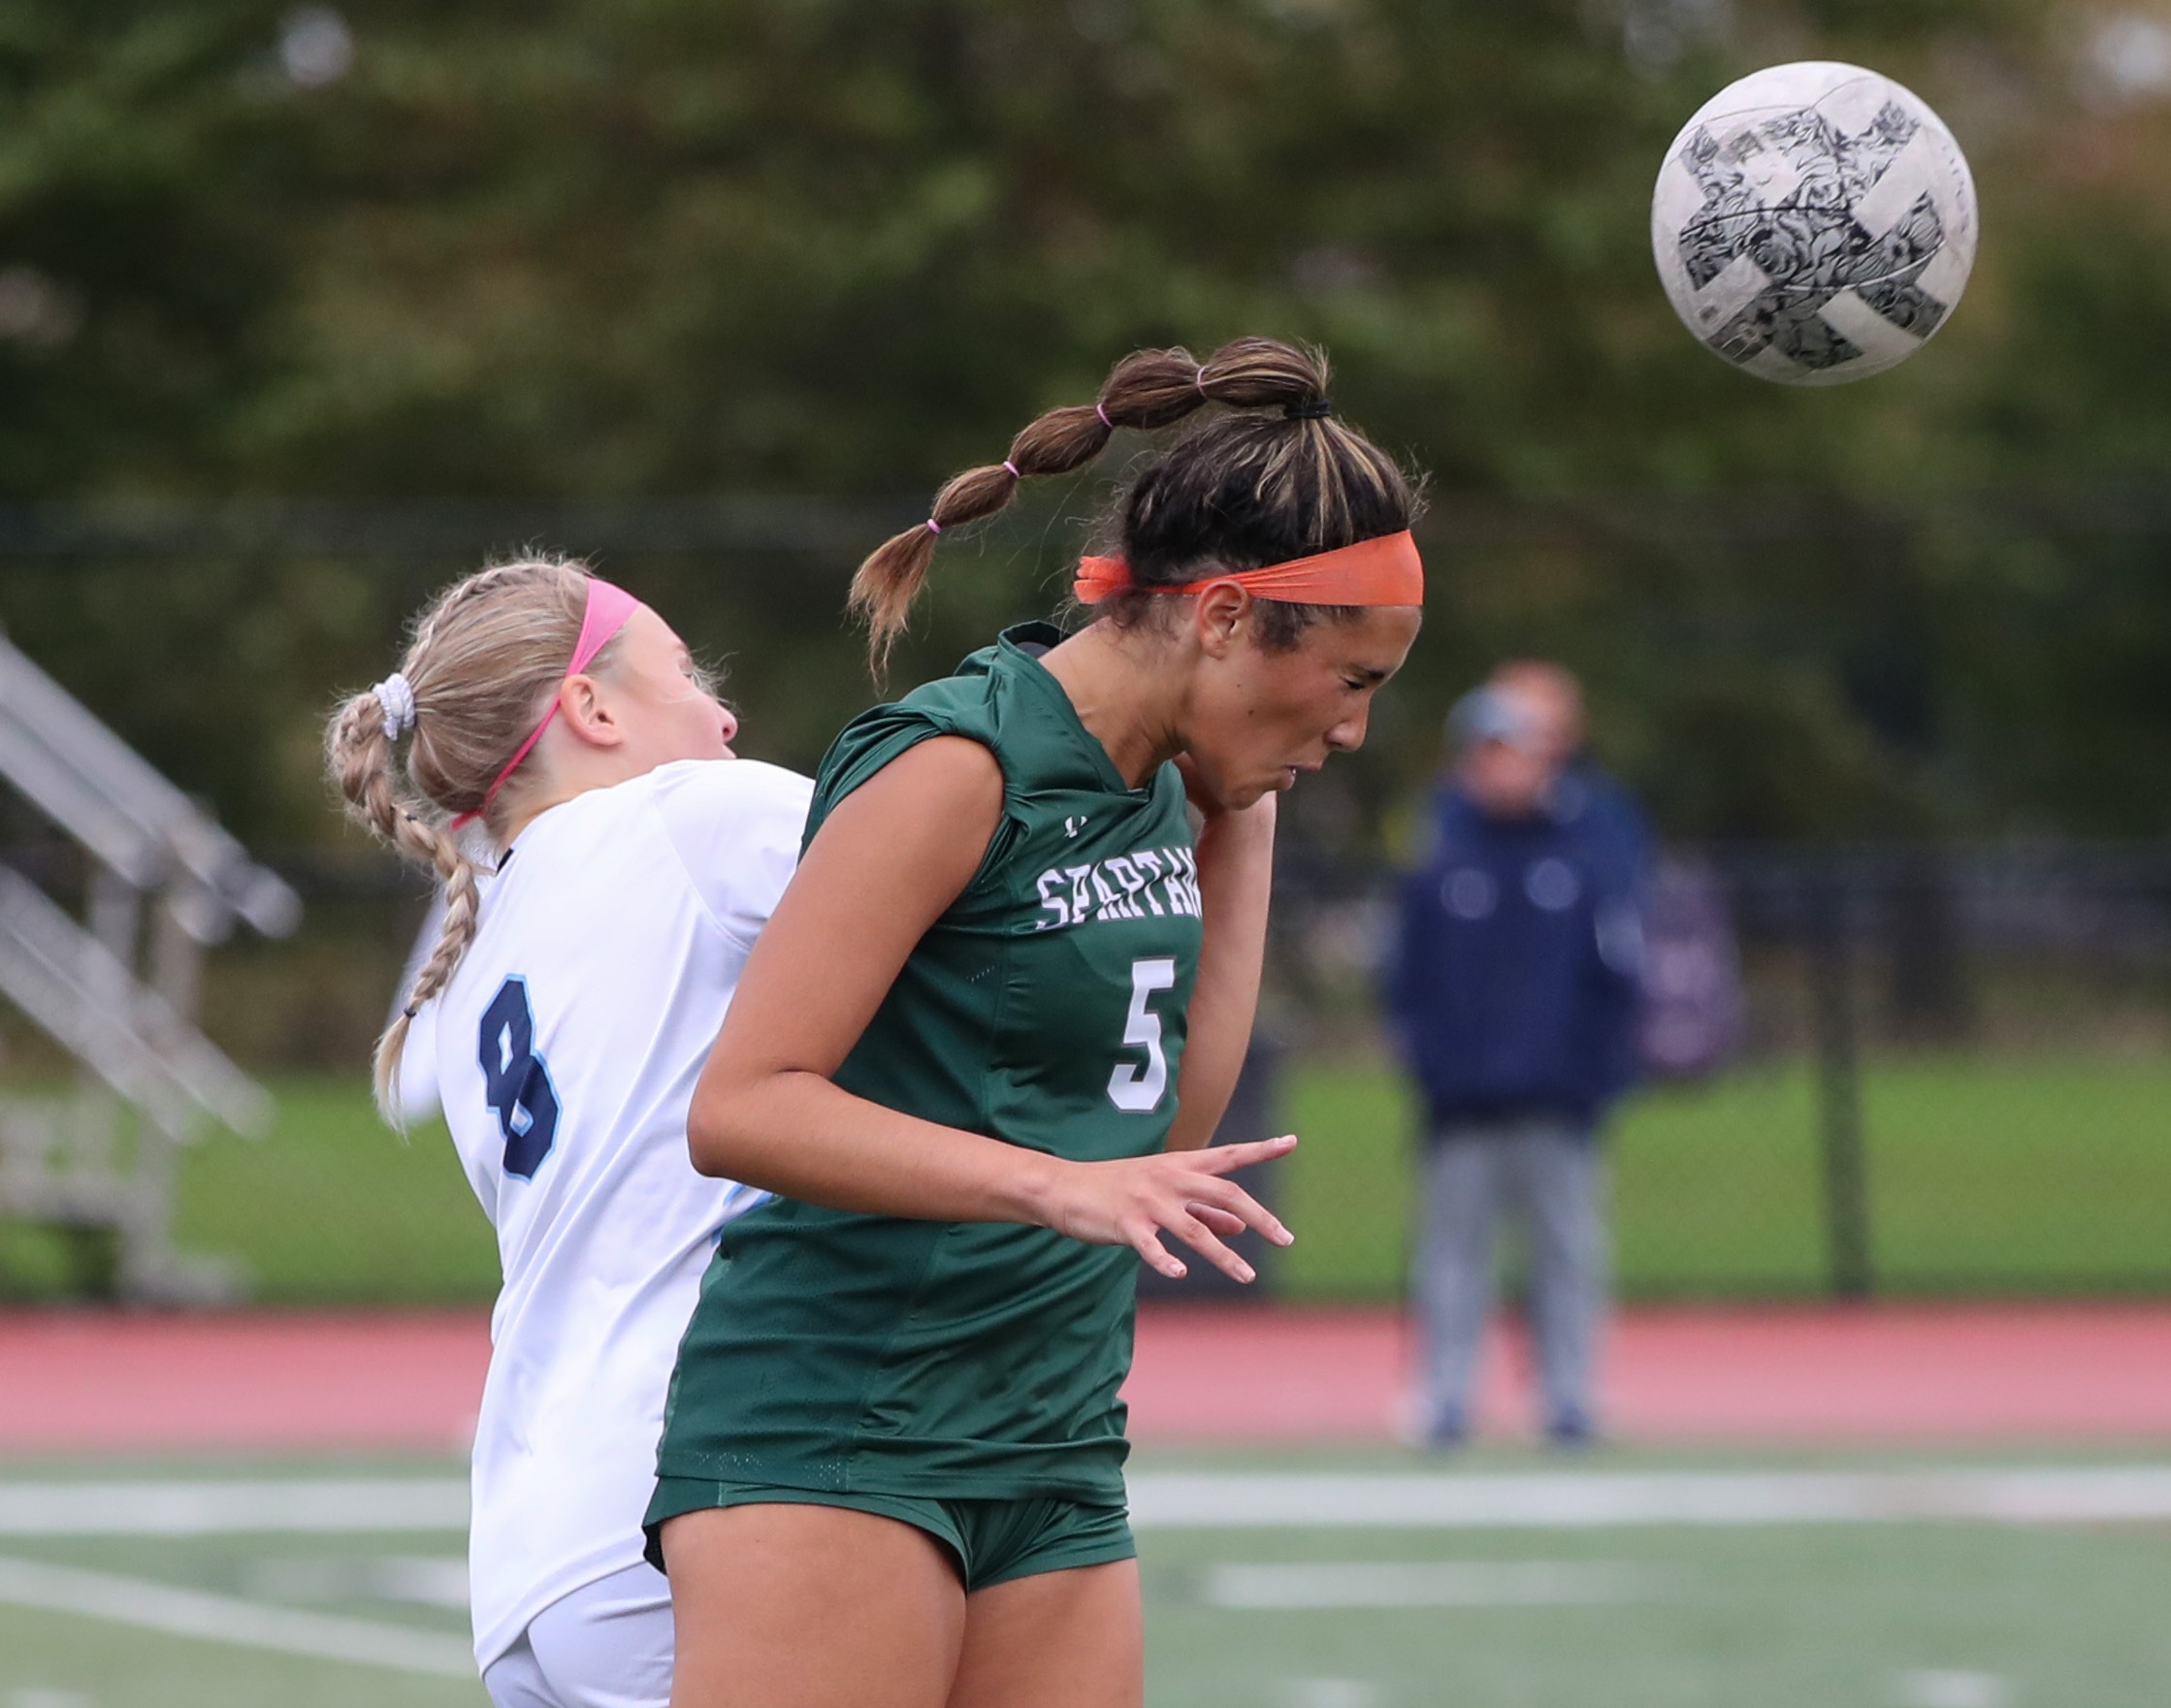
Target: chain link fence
column 1949, row 1072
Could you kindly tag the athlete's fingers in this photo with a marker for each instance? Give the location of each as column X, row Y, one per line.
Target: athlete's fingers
column 1231, row 1199
column 1144, row 1242
column 1220, row 1220
column 1200, row 1238
column 1224, row 1159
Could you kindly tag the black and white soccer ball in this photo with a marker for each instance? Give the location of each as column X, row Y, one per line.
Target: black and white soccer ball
column 1814, row 223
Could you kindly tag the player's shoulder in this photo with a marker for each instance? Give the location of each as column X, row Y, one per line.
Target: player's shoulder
column 963, row 704
column 978, row 700
column 707, row 807
column 1001, row 698
column 734, row 789
column 881, row 735
column 735, row 827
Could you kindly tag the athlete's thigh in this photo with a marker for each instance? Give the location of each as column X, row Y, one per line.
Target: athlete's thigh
column 1060, row 1639
column 785, row 1606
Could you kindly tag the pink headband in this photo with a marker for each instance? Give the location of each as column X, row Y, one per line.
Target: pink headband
column 608, row 607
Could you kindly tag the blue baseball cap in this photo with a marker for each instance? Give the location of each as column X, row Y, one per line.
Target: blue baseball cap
column 1486, row 714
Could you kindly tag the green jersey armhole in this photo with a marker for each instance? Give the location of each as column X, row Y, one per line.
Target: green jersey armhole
column 862, row 752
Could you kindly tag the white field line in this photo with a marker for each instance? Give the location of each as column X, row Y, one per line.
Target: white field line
column 1329, row 1692
column 1205, row 1500
column 1532, row 1583
column 1592, row 1499
column 1937, row 1688
column 431, row 1583
column 430, row 1580
column 212, row 1509
column 221, row 1619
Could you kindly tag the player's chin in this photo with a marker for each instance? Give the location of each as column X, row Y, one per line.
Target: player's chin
column 1281, row 779
column 1239, row 787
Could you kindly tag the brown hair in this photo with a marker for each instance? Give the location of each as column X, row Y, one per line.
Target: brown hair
column 1240, row 489
column 483, row 659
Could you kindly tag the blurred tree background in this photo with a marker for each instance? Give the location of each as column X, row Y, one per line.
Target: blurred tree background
column 302, row 312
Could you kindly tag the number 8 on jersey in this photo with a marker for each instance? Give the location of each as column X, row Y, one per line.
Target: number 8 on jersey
column 516, row 1081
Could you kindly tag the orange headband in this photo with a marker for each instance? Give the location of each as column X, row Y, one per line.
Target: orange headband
column 1381, row 571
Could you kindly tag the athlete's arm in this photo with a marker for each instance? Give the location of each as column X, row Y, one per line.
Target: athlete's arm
column 882, row 869
column 1236, row 882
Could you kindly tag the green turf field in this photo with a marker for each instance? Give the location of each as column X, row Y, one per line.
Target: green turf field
column 330, row 1209
column 1909, row 1614
column 2017, row 1176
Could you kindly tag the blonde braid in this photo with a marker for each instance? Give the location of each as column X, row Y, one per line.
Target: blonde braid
column 360, row 756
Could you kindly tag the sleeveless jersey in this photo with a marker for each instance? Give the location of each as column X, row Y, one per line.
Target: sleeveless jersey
column 563, row 1054
column 836, row 1351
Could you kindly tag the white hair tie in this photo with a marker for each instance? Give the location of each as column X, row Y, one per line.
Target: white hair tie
column 396, row 694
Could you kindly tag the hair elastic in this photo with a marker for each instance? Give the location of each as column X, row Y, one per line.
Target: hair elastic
column 932, row 525
column 1013, row 468
column 1383, row 572
column 1317, row 410
column 396, row 696
column 1103, row 414
column 1199, row 379
column 604, row 615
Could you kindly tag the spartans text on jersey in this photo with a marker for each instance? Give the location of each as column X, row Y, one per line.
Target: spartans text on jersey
column 1149, row 881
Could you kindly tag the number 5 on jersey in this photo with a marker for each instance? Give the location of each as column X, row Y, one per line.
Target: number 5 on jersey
column 1133, row 1089
column 516, row 1081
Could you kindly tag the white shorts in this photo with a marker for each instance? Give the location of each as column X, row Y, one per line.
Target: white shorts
column 606, row 1645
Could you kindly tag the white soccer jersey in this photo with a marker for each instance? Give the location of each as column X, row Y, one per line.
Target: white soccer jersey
column 563, row 1053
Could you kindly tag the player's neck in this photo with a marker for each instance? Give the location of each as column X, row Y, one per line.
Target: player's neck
column 1125, row 694
column 569, row 768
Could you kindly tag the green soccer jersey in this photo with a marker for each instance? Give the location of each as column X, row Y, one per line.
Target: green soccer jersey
column 843, row 1352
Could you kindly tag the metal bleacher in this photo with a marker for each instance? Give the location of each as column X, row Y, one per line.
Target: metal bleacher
column 118, row 992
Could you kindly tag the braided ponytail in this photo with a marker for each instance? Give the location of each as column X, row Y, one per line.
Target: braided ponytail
column 359, row 753
column 485, row 657
column 1313, row 475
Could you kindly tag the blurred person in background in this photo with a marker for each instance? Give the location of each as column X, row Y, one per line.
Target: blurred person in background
column 1512, row 997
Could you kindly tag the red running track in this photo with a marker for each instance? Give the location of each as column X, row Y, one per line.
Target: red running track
column 90, row 1382
column 1859, row 1373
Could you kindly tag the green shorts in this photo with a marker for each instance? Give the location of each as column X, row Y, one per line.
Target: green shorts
column 991, row 1541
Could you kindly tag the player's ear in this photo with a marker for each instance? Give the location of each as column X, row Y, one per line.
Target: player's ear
column 588, row 714
column 1220, row 617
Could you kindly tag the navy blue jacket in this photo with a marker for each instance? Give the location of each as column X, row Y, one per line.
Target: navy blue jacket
column 1513, row 979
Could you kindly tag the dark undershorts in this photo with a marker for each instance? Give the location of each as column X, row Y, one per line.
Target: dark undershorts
column 990, row 1541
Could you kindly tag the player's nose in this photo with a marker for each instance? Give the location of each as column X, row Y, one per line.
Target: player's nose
column 1348, row 735
column 730, row 720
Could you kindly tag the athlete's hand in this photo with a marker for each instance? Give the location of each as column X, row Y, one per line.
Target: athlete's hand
column 1134, row 1201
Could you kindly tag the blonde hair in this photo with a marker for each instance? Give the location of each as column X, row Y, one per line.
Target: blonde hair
column 1273, row 477
column 483, row 660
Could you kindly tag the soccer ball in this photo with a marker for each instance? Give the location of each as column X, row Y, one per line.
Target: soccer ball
column 1814, row 223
